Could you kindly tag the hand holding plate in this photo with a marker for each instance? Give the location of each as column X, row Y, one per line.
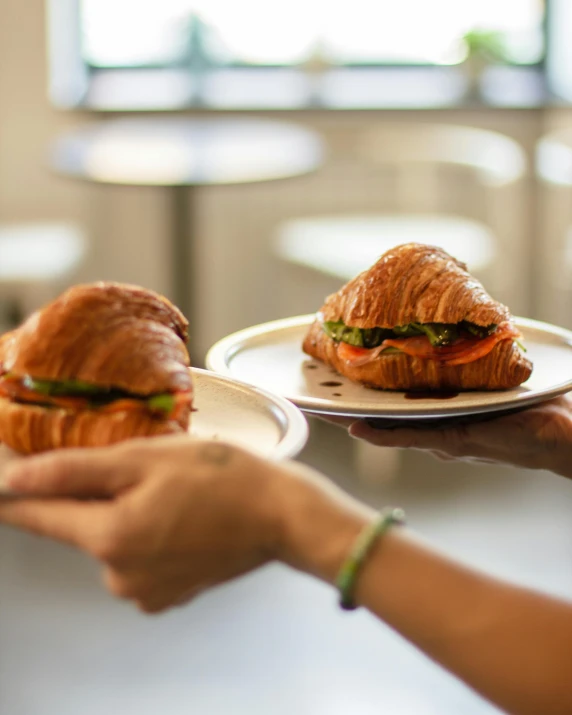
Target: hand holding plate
column 537, row 438
column 167, row 518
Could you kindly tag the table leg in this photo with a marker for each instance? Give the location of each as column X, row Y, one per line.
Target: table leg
column 182, row 267
column 184, row 263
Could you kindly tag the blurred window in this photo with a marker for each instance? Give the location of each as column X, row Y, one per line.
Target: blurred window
column 226, row 33
column 559, row 53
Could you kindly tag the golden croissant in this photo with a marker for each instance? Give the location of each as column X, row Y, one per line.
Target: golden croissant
column 102, row 363
column 417, row 320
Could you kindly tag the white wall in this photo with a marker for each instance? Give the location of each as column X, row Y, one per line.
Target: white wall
column 26, row 120
column 121, row 223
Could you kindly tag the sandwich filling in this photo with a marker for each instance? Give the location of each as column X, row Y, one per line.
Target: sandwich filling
column 78, row 395
column 448, row 344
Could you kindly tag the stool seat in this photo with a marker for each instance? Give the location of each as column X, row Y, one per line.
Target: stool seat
column 39, row 252
column 343, row 246
column 36, row 263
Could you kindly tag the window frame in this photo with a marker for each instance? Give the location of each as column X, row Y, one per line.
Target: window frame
column 72, row 79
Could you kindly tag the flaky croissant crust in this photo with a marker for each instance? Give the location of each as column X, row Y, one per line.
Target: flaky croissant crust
column 30, row 429
column 504, row 367
column 413, row 283
column 108, row 334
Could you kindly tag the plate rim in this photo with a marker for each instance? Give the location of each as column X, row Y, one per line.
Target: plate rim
column 220, row 354
column 295, row 436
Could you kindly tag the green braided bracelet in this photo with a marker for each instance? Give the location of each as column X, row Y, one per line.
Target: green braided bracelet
column 348, row 573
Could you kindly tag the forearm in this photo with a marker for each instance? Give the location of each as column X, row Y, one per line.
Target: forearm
column 510, row 644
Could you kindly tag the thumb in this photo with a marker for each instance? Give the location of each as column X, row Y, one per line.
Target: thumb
column 97, row 472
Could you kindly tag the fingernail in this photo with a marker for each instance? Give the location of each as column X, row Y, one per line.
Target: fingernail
column 352, row 429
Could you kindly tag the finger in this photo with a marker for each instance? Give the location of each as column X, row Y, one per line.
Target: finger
column 442, row 456
column 153, row 603
column 482, row 460
column 188, row 596
column 439, row 440
column 118, row 584
column 139, row 581
column 152, row 590
column 338, row 420
column 445, row 457
column 71, row 522
column 72, row 472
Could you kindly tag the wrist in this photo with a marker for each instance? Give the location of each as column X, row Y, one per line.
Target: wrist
column 318, row 523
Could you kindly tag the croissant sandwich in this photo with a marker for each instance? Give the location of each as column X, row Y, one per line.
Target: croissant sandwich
column 417, row 320
column 102, row 363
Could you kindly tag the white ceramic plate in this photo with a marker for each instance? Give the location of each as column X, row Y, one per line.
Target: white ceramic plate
column 270, row 356
column 247, row 416
column 238, row 413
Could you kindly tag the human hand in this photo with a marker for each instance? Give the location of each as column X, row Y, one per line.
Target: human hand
column 537, row 438
column 170, row 517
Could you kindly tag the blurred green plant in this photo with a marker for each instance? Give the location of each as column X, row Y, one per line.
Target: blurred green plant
column 488, row 46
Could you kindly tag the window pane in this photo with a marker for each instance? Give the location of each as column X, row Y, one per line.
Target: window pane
column 559, row 56
column 138, row 32
column 128, row 33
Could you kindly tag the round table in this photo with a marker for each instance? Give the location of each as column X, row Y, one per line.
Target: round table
column 184, row 154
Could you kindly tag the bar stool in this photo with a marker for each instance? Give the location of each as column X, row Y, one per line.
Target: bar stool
column 554, row 245
column 36, row 262
column 460, row 188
